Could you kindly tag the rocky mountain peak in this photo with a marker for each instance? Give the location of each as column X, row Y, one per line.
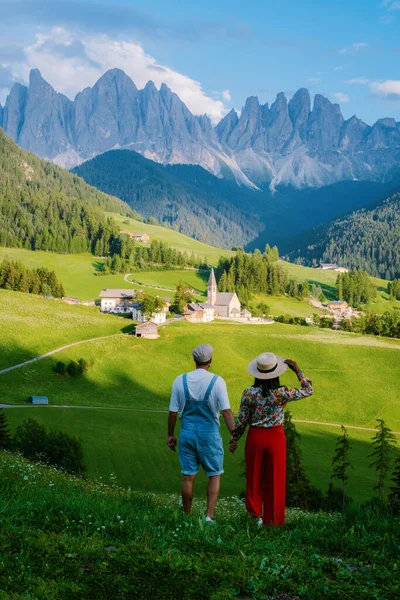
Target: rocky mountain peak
column 287, row 143
column 226, row 126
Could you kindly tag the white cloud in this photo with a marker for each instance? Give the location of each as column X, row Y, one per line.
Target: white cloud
column 393, row 6
column 71, row 63
column 390, row 87
column 226, row 95
column 338, row 68
column 354, row 48
column 340, row 97
column 386, row 88
column 361, row 80
column 313, row 79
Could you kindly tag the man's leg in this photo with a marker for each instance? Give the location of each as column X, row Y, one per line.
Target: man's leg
column 212, row 494
column 187, row 492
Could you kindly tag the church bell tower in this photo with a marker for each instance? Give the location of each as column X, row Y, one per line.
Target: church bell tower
column 212, row 289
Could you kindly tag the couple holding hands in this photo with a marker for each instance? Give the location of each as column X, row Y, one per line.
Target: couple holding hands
column 199, row 396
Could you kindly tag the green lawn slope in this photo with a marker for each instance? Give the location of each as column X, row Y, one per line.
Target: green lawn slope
column 30, row 326
column 172, row 238
column 65, row 538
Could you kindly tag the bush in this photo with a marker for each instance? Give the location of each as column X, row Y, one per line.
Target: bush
column 55, row 447
column 73, row 369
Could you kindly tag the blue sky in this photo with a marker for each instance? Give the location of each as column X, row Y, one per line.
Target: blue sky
column 213, row 54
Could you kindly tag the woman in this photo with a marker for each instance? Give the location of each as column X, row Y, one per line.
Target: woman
column 262, row 409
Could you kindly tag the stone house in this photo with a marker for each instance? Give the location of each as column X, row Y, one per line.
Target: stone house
column 137, row 237
column 337, row 307
column 147, row 330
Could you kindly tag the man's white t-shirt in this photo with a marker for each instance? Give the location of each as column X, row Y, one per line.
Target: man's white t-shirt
column 198, row 382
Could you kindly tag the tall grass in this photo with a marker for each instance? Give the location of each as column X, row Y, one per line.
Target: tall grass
column 62, row 537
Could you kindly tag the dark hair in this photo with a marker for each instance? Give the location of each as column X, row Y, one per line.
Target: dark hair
column 267, row 385
column 202, row 364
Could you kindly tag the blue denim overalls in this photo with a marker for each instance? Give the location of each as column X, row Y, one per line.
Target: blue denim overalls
column 200, row 440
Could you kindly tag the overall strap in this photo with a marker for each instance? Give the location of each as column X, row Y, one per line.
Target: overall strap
column 210, row 387
column 186, row 388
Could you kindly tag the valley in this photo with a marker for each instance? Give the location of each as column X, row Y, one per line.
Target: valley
column 127, row 387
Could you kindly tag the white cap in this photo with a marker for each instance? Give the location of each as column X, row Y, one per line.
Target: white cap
column 203, row 353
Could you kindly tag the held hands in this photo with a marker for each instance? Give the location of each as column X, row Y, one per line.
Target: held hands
column 292, row 364
column 172, row 442
column 233, row 444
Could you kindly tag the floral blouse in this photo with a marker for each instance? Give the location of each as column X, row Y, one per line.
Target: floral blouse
column 257, row 411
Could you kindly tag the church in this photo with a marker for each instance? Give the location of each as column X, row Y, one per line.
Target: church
column 225, row 304
column 219, row 304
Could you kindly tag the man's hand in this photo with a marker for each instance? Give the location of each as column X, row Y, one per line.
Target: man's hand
column 233, row 444
column 292, row 364
column 172, row 442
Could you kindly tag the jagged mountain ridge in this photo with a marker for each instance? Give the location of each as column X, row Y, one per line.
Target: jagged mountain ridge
column 293, row 143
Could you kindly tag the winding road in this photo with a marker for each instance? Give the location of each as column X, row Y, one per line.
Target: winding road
column 51, row 352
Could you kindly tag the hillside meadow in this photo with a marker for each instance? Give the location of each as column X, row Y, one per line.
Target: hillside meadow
column 30, row 326
column 130, row 446
column 172, row 238
column 62, row 537
column 130, row 378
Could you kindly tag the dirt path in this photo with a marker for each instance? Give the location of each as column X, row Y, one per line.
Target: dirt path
column 145, row 410
column 51, row 352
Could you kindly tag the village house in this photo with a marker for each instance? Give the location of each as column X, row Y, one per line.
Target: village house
column 147, row 330
column 199, row 312
column 331, row 267
column 158, row 318
column 137, row 237
column 116, row 300
column 337, row 307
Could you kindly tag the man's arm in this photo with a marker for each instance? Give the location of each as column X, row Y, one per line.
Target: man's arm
column 229, row 419
column 172, row 441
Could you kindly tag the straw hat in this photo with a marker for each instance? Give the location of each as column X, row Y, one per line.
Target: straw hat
column 267, row 366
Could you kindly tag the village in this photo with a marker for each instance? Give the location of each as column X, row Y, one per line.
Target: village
column 219, row 305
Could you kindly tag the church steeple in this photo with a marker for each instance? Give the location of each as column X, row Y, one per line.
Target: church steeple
column 212, row 289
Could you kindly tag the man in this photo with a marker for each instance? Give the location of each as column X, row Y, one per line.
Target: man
column 198, row 396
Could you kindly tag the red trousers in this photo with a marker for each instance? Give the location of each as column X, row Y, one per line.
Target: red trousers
column 265, row 454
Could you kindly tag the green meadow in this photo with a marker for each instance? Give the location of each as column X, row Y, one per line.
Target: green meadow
column 30, row 326
column 172, row 238
column 127, row 388
column 132, row 446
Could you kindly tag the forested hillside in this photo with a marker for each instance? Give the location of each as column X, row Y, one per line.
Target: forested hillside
column 186, row 197
column 45, row 207
column 367, row 239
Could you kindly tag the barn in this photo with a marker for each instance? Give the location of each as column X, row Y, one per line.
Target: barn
column 38, row 399
column 147, row 330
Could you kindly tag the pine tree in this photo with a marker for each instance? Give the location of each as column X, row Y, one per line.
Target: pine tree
column 340, row 461
column 298, row 486
column 383, row 444
column 394, row 495
column 5, row 435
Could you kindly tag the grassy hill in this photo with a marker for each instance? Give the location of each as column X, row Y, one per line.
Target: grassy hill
column 30, row 326
column 173, row 238
column 348, row 372
column 66, row 538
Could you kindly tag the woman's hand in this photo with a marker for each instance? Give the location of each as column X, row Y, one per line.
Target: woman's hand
column 292, row 364
column 233, row 444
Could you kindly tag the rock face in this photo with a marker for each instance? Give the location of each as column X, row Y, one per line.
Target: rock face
column 297, row 143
